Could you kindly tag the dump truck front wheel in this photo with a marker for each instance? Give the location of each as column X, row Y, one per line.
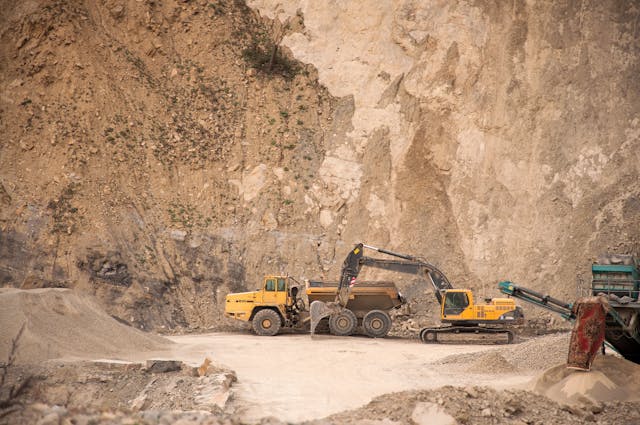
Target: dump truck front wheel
column 266, row 322
column 376, row 324
column 343, row 323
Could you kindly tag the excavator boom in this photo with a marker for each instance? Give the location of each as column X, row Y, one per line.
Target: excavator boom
column 408, row 264
column 354, row 262
column 438, row 281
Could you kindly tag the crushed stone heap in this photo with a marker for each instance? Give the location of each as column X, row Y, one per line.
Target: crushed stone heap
column 610, row 379
column 60, row 323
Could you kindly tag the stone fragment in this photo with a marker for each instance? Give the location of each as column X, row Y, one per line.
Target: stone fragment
column 471, row 392
column 178, row 235
column 26, row 145
column 426, row 413
column 163, row 366
column 117, row 11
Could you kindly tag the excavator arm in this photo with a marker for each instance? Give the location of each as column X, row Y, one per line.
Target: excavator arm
column 352, row 266
column 410, row 265
column 350, row 270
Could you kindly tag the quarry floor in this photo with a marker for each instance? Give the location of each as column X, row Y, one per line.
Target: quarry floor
column 299, row 377
column 80, row 365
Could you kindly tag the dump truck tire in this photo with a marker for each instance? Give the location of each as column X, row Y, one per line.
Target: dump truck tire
column 376, row 324
column 266, row 323
column 343, row 323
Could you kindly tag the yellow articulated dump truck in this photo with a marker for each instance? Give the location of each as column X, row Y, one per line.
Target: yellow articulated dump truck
column 280, row 303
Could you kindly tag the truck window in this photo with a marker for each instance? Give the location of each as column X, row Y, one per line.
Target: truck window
column 281, row 285
column 271, row 285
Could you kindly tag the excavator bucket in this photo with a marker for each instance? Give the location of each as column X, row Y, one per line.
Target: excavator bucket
column 318, row 310
column 588, row 332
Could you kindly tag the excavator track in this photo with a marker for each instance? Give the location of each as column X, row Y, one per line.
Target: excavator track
column 430, row 335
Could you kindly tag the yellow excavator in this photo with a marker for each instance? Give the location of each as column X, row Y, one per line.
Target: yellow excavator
column 459, row 312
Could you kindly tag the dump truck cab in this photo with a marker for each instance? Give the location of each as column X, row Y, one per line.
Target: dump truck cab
column 273, row 305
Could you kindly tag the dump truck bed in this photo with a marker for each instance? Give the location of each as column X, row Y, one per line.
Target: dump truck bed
column 364, row 297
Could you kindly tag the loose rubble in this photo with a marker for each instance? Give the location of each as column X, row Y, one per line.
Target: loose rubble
column 485, row 406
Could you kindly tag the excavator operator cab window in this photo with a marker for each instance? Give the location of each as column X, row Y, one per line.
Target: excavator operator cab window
column 281, row 285
column 455, row 302
column 271, row 285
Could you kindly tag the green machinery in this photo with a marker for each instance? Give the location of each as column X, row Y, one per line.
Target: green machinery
column 616, row 283
column 617, row 277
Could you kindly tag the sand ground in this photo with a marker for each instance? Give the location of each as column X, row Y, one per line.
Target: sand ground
column 295, row 377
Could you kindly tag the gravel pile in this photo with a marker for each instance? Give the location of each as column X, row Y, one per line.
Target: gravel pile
column 538, row 353
column 610, row 379
column 535, row 354
column 60, row 323
column 483, row 406
column 491, row 362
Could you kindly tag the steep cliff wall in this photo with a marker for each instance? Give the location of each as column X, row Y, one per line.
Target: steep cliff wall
column 153, row 154
column 152, row 157
column 498, row 138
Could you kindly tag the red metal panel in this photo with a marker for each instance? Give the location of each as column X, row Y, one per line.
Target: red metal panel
column 588, row 333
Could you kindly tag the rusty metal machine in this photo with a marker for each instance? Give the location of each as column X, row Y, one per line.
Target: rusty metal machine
column 609, row 314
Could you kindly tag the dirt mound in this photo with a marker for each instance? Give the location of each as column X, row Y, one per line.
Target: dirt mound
column 610, row 379
column 535, row 354
column 480, row 406
column 60, row 323
column 491, row 362
column 538, row 353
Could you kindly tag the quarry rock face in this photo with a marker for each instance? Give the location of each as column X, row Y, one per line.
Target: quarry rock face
column 499, row 139
column 156, row 156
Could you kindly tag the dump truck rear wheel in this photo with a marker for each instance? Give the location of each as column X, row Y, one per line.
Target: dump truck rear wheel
column 376, row 324
column 266, row 322
column 343, row 323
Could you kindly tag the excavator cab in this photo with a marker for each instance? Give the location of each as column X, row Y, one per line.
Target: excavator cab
column 455, row 302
